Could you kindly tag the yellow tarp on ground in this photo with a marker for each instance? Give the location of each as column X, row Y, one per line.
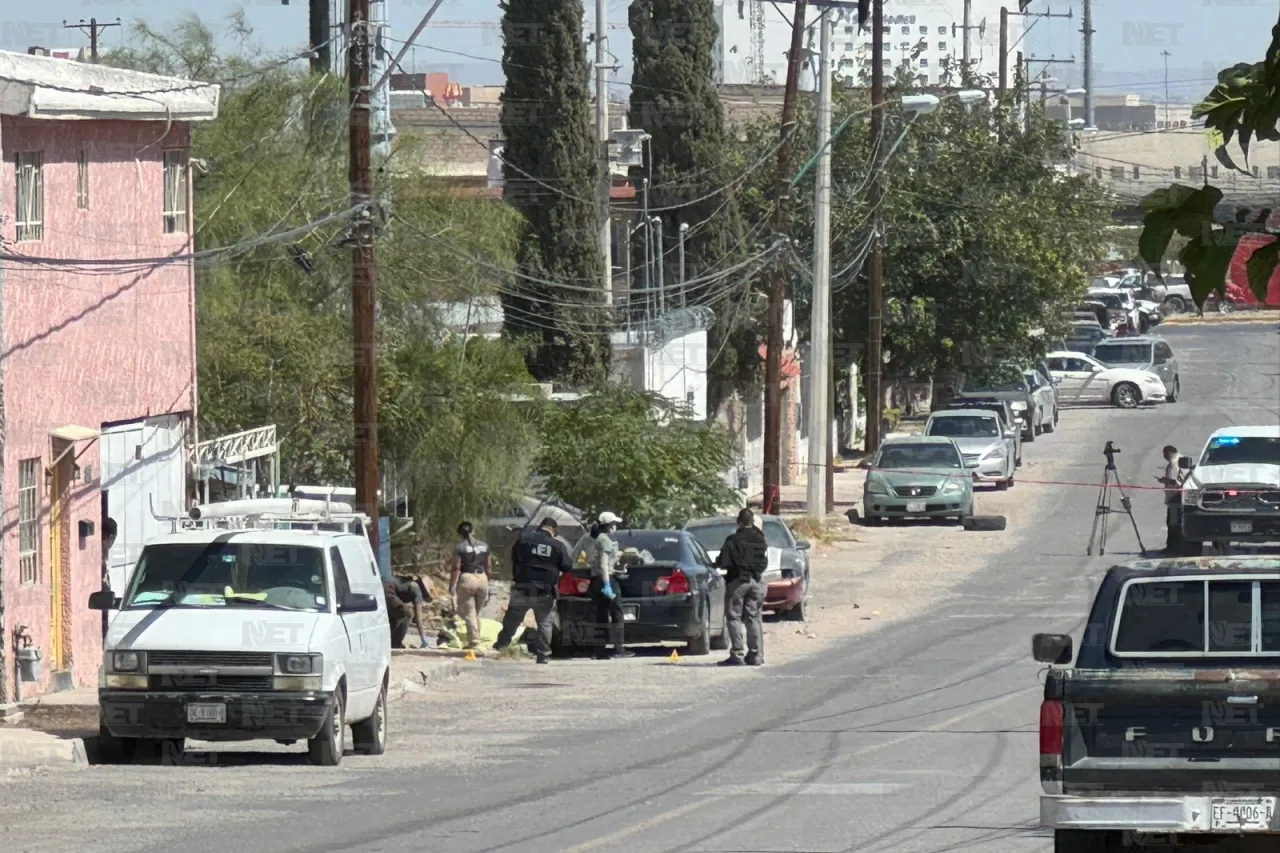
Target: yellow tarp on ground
column 455, row 631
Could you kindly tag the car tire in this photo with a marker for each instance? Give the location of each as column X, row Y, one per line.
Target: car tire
column 169, row 752
column 1177, row 391
column 1083, row 841
column 326, row 748
column 1126, row 396
column 1175, row 304
column 797, row 613
column 701, row 644
column 872, row 520
column 369, row 737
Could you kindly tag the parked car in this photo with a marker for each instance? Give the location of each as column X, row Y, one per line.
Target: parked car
column 1084, row 336
column 1232, row 494
column 1045, row 391
column 1164, row 729
column 788, row 574
column 1092, row 309
column 989, row 449
column 667, row 584
column 1122, row 311
column 918, row 477
column 1017, row 390
column 1002, row 409
column 1086, row 380
column 1147, row 352
column 501, row 532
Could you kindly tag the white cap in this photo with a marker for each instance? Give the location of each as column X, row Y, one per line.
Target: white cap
column 608, row 518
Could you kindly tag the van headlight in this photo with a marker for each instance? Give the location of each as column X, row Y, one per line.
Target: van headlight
column 299, row 664
column 127, row 662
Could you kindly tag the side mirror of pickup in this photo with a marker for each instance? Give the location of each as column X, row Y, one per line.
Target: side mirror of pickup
column 104, row 600
column 355, row 602
column 1185, row 463
column 1052, row 649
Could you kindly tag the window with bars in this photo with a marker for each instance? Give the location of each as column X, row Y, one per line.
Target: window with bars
column 29, row 520
column 1117, row 173
column 1273, row 172
column 1257, row 171
column 1177, row 171
column 175, row 191
column 82, row 181
column 30, row 195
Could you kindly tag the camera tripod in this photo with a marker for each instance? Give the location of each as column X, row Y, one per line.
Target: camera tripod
column 1111, row 480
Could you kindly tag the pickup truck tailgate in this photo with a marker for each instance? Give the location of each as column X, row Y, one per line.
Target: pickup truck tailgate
column 1169, row 729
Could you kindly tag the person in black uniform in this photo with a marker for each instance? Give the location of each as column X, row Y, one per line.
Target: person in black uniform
column 538, row 559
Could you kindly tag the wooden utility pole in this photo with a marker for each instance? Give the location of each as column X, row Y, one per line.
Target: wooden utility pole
column 93, row 28
column 1004, row 50
column 363, row 270
column 875, row 298
column 778, row 287
column 320, row 36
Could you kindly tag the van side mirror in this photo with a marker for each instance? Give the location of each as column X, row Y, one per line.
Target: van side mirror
column 1054, row 649
column 104, row 600
column 1185, row 463
column 357, row 602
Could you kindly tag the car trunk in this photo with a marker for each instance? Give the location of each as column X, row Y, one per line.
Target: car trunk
column 642, row 581
column 1170, row 729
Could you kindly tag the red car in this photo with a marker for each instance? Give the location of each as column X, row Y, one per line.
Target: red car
column 788, row 573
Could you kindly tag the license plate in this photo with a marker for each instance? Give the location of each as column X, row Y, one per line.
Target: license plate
column 212, row 712
column 916, row 506
column 628, row 614
column 1242, row 527
column 1243, row 813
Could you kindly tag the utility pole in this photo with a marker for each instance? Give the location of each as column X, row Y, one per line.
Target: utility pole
column 778, row 287
column 363, row 270
column 875, row 304
column 966, row 67
column 604, row 181
column 1166, row 54
column 820, row 314
column 318, row 16
column 1087, row 29
column 1004, row 50
column 93, row 28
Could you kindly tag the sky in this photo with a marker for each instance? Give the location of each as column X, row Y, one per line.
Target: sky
column 1201, row 36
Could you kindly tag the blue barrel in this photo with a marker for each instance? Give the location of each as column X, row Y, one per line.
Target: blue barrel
column 384, row 547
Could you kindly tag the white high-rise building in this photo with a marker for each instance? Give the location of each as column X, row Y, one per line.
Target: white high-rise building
column 755, row 36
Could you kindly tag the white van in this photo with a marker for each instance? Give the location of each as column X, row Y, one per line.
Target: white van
column 241, row 628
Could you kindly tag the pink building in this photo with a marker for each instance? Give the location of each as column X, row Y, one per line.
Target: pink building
column 97, row 346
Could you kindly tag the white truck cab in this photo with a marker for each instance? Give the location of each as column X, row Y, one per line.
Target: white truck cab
column 1232, row 494
column 261, row 625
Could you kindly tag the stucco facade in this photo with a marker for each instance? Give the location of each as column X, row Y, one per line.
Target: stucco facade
column 84, row 345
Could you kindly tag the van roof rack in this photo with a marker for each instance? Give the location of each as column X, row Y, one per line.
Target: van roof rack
column 304, row 522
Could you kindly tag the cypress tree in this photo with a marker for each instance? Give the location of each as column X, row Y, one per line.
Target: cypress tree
column 549, row 173
column 675, row 100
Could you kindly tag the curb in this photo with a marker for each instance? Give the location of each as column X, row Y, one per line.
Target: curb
column 37, row 749
column 425, row 675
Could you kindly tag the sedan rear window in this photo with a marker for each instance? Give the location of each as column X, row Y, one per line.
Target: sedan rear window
column 1117, row 353
column 974, row 426
column 1198, row 618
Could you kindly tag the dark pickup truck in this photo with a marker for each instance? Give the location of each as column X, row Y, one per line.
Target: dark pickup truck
column 1166, row 732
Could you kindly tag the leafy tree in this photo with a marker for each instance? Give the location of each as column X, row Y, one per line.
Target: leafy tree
column 675, row 100
column 274, row 324
column 636, row 454
column 1244, row 106
column 549, row 173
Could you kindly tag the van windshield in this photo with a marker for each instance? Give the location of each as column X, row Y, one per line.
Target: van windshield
column 226, row 574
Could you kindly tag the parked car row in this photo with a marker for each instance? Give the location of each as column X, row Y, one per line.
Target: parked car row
column 671, row 589
column 1124, row 372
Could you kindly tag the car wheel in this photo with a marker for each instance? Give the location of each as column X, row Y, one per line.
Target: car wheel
column 1009, row 482
column 1003, row 485
column 701, row 644
column 115, row 750
column 326, row 748
column 1177, row 390
column 872, row 520
column 1175, row 304
column 1126, row 395
column 369, row 737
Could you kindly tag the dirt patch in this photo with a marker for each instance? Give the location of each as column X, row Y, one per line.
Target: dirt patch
column 62, row 720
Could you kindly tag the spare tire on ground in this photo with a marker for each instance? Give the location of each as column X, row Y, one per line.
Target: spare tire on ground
column 984, row 522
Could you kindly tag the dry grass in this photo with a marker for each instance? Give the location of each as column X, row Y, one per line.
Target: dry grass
column 817, row 532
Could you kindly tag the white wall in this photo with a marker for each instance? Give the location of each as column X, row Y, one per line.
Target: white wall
column 677, row 369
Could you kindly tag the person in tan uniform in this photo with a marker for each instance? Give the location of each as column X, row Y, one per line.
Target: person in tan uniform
column 469, row 586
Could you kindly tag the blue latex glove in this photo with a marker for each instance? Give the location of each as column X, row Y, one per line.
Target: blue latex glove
column 608, row 590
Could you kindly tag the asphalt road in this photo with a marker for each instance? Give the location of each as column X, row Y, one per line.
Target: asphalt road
column 918, row 737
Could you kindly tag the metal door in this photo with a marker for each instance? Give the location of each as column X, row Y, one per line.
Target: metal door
column 60, row 556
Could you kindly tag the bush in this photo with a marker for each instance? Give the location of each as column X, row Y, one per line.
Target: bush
column 636, row 454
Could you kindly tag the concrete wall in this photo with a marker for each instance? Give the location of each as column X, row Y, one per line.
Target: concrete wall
column 677, row 369
column 86, row 347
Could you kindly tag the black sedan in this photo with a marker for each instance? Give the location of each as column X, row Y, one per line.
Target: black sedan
column 668, row 588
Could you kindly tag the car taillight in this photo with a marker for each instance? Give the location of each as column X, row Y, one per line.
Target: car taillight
column 573, row 585
column 1051, row 727
column 676, row 583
